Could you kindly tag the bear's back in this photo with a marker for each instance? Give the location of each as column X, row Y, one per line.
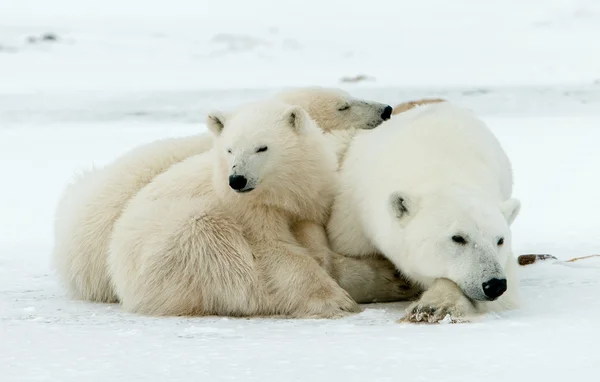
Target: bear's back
column 428, row 147
column 187, row 179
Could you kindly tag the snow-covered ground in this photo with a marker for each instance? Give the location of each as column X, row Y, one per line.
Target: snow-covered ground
column 190, row 44
column 127, row 72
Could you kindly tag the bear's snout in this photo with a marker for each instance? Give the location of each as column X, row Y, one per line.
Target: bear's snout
column 387, row 113
column 237, row 182
column 494, row 288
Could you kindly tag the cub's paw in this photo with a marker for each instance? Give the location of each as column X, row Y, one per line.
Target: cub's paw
column 387, row 284
column 400, row 289
column 332, row 303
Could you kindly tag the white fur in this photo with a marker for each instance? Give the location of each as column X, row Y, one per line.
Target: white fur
column 90, row 206
column 413, row 183
column 189, row 244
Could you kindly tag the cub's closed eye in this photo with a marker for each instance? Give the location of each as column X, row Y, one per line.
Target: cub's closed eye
column 459, row 239
column 345, row 107
column 229, row 151
column 501, row 241
column 261, row 149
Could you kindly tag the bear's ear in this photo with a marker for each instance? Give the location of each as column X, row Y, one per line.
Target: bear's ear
column 215, row 122
column 510, row 209
column 295, row 117
column 402, row 205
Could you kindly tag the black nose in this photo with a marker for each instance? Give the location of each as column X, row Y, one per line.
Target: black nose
column 387, row 113
column 494, row 288
column 237, row 182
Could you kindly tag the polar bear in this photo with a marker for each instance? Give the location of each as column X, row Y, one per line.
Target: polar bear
column 213, row 235
column 431, row 190
column 88, row 208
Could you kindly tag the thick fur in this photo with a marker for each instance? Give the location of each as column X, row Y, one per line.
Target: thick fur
column 188, row 243
column 90, row 206
column 367, row 279
column 411, row 185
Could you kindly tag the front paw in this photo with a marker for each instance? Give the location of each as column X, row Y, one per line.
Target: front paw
column 432, row 314
column 444, row 302
column 333, row 303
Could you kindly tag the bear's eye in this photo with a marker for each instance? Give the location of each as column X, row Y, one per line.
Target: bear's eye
column 261, row 149
column 501, row 241
column 459, row 239
column 345, row 107
column 229, row 151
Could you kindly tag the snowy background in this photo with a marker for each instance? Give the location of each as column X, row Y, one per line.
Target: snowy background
column 110, row 75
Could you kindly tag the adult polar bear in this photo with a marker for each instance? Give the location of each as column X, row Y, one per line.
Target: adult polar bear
column 431, row 190
column 89, row 207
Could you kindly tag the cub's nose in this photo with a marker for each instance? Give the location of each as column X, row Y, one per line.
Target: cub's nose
column 494, row 288
column 387, row 113
column 237, row 182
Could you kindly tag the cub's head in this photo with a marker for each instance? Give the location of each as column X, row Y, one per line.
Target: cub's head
column 335, row 109
column 263, row 144
column 458, row 237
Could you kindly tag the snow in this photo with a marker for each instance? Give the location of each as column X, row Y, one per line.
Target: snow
column 124, row 73
column 176, row 44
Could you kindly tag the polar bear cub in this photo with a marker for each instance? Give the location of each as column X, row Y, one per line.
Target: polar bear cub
column 431, row 190
column 89, row 207
column 213, row 234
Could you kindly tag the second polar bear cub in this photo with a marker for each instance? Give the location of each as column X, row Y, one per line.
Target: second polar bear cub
column 213, row 234
column 436, row 200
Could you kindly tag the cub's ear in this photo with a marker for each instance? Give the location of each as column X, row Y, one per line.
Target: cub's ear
column 510, row 209
column 402, row 205
column 215, row 122
column 296, row 118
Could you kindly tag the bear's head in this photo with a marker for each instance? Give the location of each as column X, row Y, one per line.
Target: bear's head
column 268, row 145
column 455, row 236
column 335, row 109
